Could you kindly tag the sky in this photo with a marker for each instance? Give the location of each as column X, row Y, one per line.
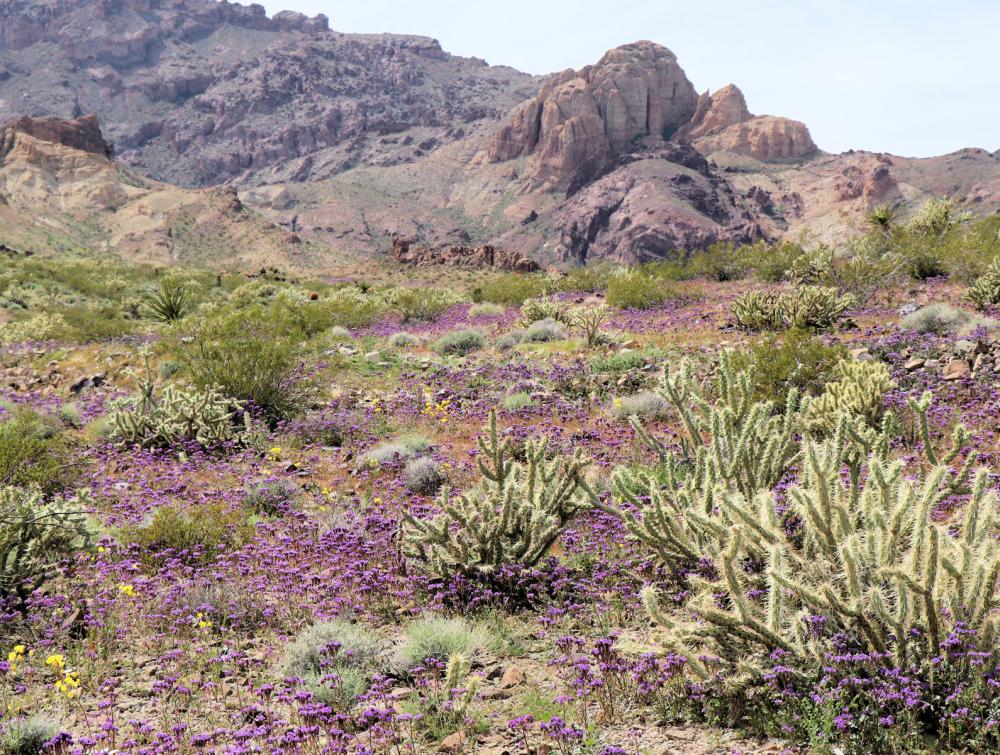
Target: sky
column 910, row 77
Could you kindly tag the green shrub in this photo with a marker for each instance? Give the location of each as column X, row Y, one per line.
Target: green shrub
column 618, row 362
column 645, row 405
column 253, row 355
column 721, row 261
column 196, row 536
column 271, row 498
column 510, row 339
column 513, row 288
column 460, row 342
column 35, row 453
column 638, row 289
column 26, row 736
column 585, row 278
column 422, row 304
column 797, row 360
column 403, row 449
column 773, row 263
column 439, row 638
column 486, row 309
column 41, row 327
column 168, row 301
column 402, row 340
column 351, row 653
column 942, row 319
column 515, row 402
column 35, row 535
column 543, row 331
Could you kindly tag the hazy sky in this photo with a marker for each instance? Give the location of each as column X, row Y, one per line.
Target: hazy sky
column 911, row 77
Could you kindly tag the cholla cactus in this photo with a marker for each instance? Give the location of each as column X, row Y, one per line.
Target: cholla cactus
column 858, row 392
column 589, row 320
column 534, row 310
column 176, row 416
column 811, row 268
column 513, row 517
column 813, row 307
column 867, row 562
column 985, row 292
column 34, row 534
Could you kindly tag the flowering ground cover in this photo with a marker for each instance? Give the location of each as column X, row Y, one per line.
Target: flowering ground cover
column 192, row 576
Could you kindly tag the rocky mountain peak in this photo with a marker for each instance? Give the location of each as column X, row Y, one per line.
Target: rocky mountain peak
column 582, row 120
column 716, row 112
column 82, row 133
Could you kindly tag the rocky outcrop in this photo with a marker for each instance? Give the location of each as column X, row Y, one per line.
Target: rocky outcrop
column 582, row 120
column 485, row 256
column 722, row 122
column 82, row 134
column 654, row 205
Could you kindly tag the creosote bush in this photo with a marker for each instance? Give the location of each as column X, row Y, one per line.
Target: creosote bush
column 486, row 309
column 513, row 516
column 197, row 535
column 639, row 289
column 27, row 735
column 34, row 452
column 271, row 498
column 796, row 359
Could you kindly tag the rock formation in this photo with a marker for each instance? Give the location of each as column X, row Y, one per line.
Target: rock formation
column 83, row 133
column 485, row 256
column 582, row 120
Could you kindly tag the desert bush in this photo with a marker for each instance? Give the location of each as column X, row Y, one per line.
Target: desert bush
column 336, row 659
column 176, row 416
column 402, row 340
column 510, row 339
column 543, row 331
column 27, row 735
column 460, row 342
column 225, row 603
column 798, row 360
column 773, row 263
column 339, row 333
column 423, row 476
column 618, row 362
column 438, row 638
column 40, row 327
column 513, row 516
column 402, row 449
column 645, row 405
column 585, row 278
column 513, row 288
column 422, row 304
column 35, row 453
column 168, row 301
column 69, row 415
column 35, row 535
column 252, row 355
column 196, row 536
column 638, row 289
column 858, row 391
column 810, row 307
column 272, row 497
column 721, row 261
column 515, row 402
column 486, row 309
column 985, row 292
column 941, row 319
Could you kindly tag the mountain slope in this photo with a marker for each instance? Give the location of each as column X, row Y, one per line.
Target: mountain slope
column 60, row 189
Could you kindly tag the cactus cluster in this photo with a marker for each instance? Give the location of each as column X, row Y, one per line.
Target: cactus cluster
column 985, row 292
column 859, row 391
column 542, row 308
column 176, row 416
column 855, row 552
column 35, row 534
column 513, row 516
column 809, row 307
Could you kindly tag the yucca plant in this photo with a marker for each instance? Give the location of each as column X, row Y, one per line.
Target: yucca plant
column 168, row 301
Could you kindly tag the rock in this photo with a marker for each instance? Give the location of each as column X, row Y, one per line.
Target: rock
column 957, row 369
column 581, row 120
column 82, row 133
column 862, row 355
column 914, row 364
column 484, row 256
column 373, row 356
column 908, row 309
column 965, row 346
column 453, row 742
column 513, row 676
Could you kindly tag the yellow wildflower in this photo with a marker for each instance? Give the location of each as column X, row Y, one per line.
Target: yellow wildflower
column 201, row 622
column 128, row 590
column 274, row 453
column 55, row 661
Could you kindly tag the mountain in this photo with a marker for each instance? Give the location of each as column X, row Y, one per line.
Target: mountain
column 353, row 141
column 62, row 190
